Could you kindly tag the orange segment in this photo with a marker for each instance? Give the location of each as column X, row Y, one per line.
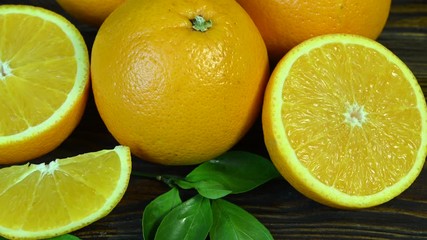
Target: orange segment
column 45, row 200
column 44, row 79
column 345, row 121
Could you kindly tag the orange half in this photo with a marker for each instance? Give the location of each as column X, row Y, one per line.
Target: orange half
column 44, row 81
column 345, row 121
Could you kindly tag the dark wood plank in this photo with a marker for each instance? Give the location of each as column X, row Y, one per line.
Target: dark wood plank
column 284, row 211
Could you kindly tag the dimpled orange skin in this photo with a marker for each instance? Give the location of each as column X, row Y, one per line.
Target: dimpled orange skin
column 174, row 95
column 285, row 23
column 92, row 12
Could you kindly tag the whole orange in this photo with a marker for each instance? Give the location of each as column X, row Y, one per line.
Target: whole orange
column 92, row 12
column 179, row 82
column 285, row 23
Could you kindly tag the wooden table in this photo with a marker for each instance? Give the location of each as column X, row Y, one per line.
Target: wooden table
column 285, row 212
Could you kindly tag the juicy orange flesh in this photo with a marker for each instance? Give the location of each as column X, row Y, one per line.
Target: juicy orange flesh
column 350, row 120
column 36, row 76
column 45, row 197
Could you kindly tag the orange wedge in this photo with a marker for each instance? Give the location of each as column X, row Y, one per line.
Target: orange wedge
column 45, row 200
column 44, row 81
column 345, row 121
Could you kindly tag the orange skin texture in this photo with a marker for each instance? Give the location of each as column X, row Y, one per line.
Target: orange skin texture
column 92, row 12
column 174, row 95
column 285, row 23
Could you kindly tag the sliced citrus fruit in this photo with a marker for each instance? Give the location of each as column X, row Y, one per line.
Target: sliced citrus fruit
column 45, row 200
column 345, row 121
column 44, row 81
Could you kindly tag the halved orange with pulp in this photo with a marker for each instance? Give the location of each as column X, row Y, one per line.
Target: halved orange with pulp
column 44, row 81
column 345, row 121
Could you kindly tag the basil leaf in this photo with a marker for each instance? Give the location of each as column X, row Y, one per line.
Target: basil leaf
column 235, row 172
column 156, row 210
column 191, row 220
column 65, row 237
column 234, row 223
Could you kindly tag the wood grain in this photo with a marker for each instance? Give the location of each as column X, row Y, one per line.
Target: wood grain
column 285, row 212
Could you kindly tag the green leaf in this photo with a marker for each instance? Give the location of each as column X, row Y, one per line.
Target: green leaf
column 182, row 183
column 208, row 189
column 191, row 220
column 212, row 189
column 233, row 172
column 156, row 210
column 65, row 237
column 234, row 223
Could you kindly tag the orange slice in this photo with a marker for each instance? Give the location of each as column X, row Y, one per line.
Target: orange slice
column 44, row 81
column 345, row 121
column 45, row 200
